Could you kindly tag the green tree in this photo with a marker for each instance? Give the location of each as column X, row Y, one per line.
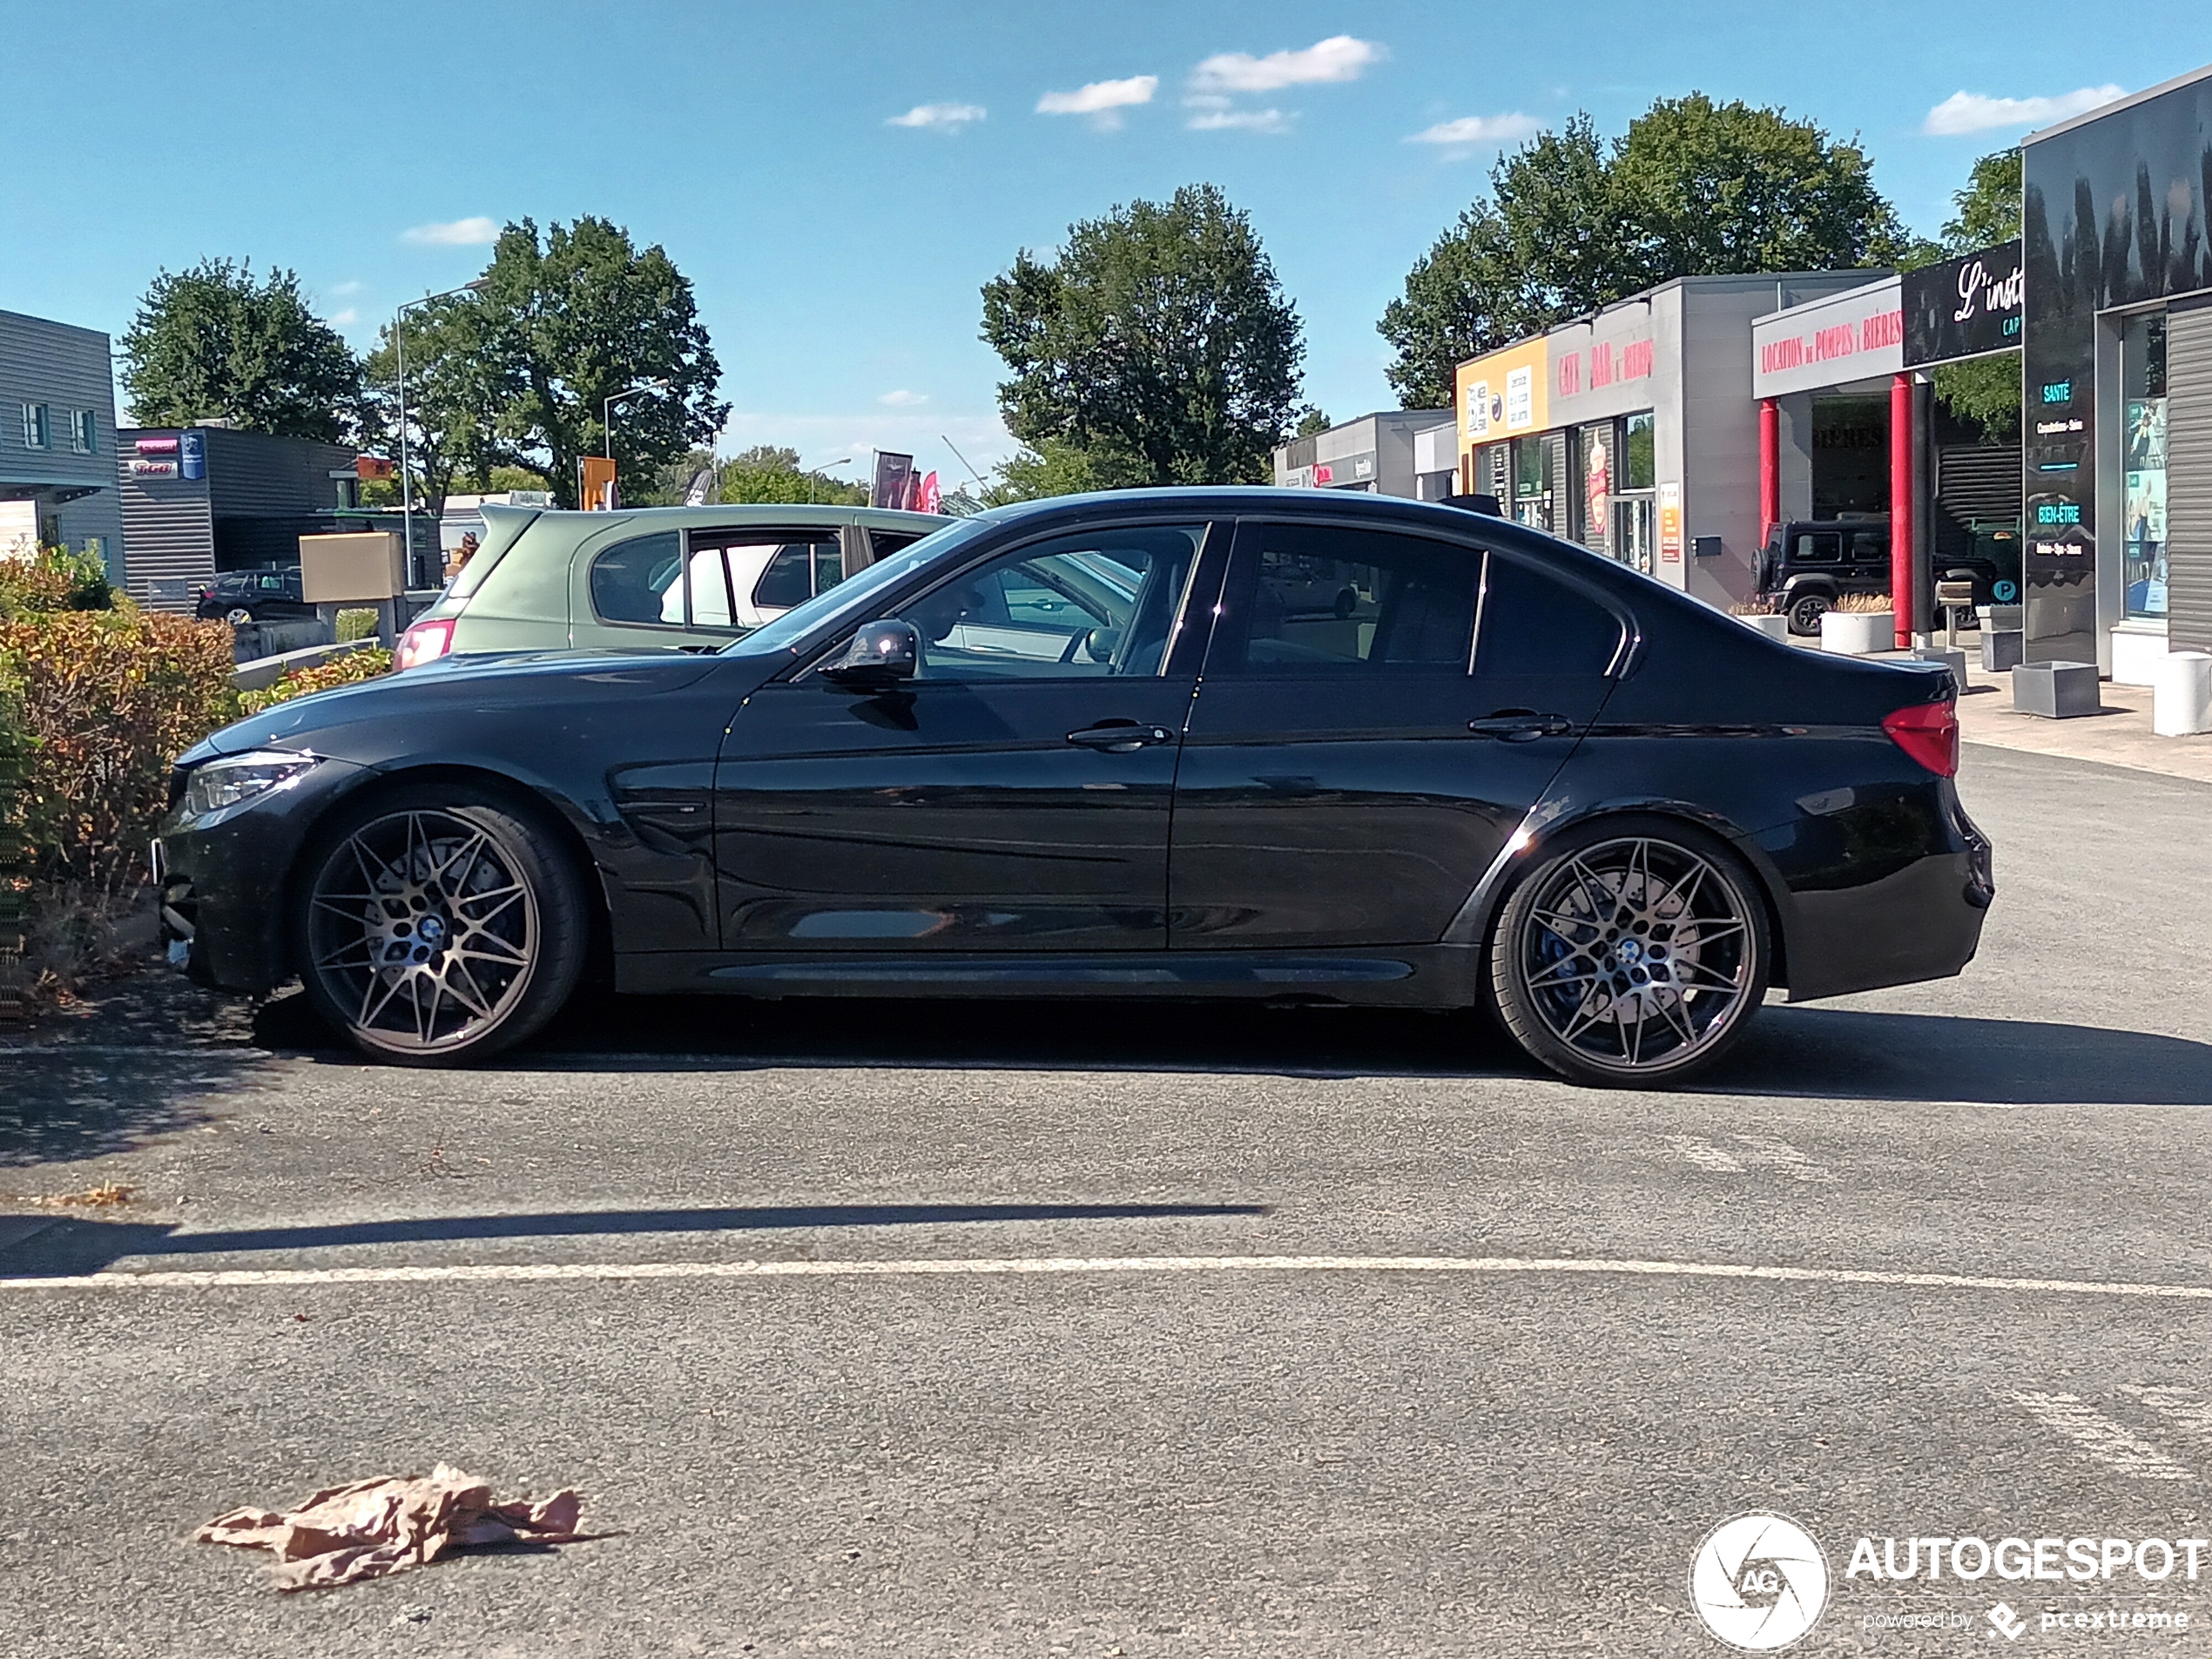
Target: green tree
column 456, row 390
column 771, row 473
column 1573, row 223
column 577, row 316
column 1054, row 467
column 1157, row 345
column 213, row 343
column 1984, row 391
column 1312, row 422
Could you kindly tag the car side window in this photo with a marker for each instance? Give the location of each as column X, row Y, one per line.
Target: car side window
column 1533, row 624
column 1315, row 598
column 632, row 580
column 1869, row 544
column 883, row 543
column 1077, row 607
column 1824, row 547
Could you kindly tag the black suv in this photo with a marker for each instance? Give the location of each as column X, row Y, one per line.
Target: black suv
column 1808, row 565
column 254, row 596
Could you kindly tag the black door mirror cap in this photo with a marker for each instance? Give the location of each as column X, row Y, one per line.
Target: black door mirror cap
column 883, row 653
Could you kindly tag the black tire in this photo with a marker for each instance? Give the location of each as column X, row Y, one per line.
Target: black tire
column 438, row 925
column 1806, row 611
column 1632, row 954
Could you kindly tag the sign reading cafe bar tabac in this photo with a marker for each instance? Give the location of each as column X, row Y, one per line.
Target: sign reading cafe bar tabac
column 1968, row 306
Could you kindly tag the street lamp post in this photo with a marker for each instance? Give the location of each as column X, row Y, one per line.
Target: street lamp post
column 399, row 344
column 815, row 472
column 607, row 410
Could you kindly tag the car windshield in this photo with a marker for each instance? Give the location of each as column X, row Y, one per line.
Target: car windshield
column 850, row 598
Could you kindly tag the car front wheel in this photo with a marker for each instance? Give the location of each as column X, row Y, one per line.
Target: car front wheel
column 1633, row 955
column 238, row 616
column 438, row 927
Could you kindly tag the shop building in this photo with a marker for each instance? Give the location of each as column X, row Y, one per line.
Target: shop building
column 1392, row 452
column 1632, row 430
column 2117, row 364
column 201, row 499
column 57, row 440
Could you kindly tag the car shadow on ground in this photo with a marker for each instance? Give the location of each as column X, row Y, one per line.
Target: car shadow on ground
column 1806, row 1051
column 73, row 1245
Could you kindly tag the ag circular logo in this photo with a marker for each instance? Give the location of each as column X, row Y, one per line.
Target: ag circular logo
column 1758, row 1582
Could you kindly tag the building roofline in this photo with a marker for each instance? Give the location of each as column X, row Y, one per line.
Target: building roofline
column 2120, row 108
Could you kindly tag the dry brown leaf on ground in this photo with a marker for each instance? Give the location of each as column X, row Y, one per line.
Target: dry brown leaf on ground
column 373, row 1528
column 106, row 1195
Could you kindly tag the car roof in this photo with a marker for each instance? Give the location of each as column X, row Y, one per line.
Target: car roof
column 800, row 513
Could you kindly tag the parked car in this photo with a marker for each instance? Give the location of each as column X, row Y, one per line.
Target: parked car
column 681, row 577
column 1525, row 777
column 240, row 597
column 1808, row 565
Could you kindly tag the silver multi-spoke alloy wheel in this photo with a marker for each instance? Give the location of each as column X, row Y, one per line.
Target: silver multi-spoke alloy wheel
column 1631, row 958
column 433, row 930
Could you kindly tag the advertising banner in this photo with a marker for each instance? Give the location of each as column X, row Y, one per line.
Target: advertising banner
column 894, row 480
column 1504, row 394
column 1669, row 522
column 192, row 455
column 1968, row 306
column 1855, row 335
column 598, row 485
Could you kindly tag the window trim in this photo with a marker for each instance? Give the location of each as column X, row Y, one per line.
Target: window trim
column 37, row 426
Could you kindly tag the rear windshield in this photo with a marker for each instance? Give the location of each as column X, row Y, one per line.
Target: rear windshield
column 502, row 531
column 850, row 599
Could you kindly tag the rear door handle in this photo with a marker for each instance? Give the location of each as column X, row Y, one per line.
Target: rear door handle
column 1119, row 736
column 1520, row 725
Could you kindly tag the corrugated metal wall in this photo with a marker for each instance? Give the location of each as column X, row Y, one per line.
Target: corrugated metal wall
column 168, row 538
column 250, row 475
column 2188, row 476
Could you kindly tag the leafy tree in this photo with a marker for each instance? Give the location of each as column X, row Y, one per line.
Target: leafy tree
column 456, row 390
column 575, row 317
column 1982, row 390
column 1573, row 223
column 1054, row 467
column 770, row 473
column 1157, row 345
column 1312, row 422
column 212, row 343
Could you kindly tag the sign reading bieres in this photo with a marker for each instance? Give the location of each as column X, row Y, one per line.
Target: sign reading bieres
column 1968, row 306
column 1858, row 334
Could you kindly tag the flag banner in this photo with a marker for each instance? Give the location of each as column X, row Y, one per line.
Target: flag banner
column 894, row 480
column 925, row 495
column 598, row 490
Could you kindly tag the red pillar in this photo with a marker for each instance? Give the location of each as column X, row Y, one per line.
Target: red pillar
column 1901, row 506
column 1770, row 468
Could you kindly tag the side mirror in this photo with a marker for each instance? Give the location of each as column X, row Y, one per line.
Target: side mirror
column 883, row 654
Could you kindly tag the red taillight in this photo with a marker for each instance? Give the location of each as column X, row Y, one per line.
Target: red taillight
column 1929, row 734
column 424, row 643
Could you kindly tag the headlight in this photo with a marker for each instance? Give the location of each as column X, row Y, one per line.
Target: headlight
column 229, row 779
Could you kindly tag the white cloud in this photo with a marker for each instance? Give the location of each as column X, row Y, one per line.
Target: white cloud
column 461, row 232
column 1101, row 100
column 1340, row 58
column 340, row 319
column 1240, row 120
column 339, row 290
column 902, row 399
column 1977, row 112
column 946, row 118
column 1470, row 130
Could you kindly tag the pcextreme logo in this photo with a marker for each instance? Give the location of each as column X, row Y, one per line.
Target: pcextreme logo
column 1758, row 1582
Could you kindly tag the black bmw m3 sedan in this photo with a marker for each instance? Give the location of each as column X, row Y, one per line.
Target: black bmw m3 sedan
column 1206, row 743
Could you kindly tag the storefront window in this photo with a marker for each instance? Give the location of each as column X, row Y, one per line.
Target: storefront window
column 2143, row 391
column 1638, row 468
column 1532, row 482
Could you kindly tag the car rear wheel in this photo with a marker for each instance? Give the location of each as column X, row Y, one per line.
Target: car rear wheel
column 1632, row 956
column 238, row 616
column 438, row 927
column 1806, row 611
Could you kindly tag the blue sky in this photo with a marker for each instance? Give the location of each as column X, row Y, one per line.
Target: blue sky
column 837, row 253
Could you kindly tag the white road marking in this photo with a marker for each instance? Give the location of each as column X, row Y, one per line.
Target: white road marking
column 1767, row 1152
column 2117, row 1447
column 1696, row 1148
column 991, row 1266
column 2184, row 1408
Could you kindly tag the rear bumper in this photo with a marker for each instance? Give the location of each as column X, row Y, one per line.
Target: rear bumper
column 1919, row 919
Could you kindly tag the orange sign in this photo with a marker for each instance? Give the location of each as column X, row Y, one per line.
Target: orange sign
column 598, row 490
column 1670, row 523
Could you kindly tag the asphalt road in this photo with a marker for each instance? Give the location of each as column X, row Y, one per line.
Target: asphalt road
column 1373, row 1375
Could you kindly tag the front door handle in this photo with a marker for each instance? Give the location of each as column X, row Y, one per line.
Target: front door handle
column 1119, row 736
column 1520, row 725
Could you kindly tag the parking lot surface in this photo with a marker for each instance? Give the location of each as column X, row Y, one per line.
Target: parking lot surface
column 1100, row 1328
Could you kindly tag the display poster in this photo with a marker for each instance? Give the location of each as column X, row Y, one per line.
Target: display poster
column 1671, row 523
column 2144, row 508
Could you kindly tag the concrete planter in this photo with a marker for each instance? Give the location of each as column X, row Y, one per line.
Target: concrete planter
column 1775, row 627
column 1855, row 634
column 2183, row 698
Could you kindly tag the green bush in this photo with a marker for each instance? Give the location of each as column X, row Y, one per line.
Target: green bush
column 371, row 662
column 54, row 579
column 356, row 624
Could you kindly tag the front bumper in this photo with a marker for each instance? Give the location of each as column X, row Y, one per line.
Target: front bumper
column 223, row 879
